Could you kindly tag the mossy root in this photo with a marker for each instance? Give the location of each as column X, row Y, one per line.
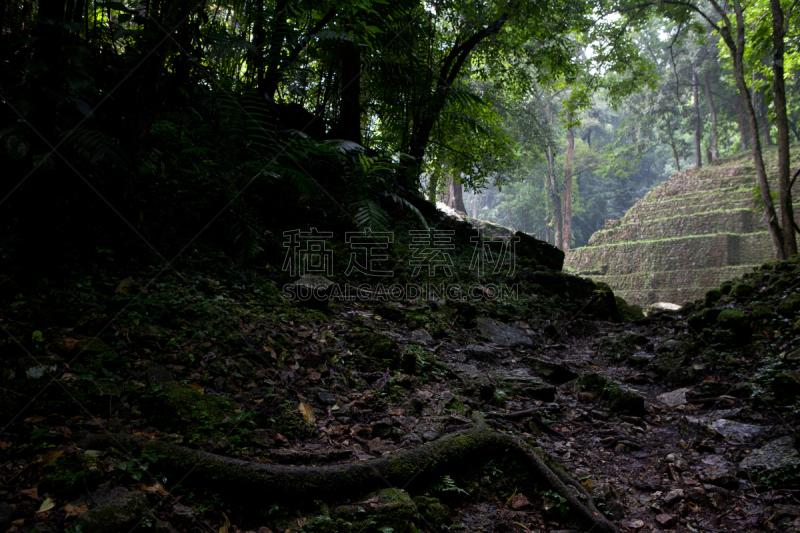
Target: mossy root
column 423, row 464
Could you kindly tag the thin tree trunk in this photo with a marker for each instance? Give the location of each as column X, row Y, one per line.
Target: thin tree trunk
column 737, row 52
column 558, row 221
column 475, row 205
column 672, row 144
column 547, row 229
column 568, row 192
column 782, row 123
column 457, row 197
column 712, row 111
column 698, row 131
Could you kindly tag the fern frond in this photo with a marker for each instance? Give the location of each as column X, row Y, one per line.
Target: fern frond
column 369, row 215
column 98, row 146
column 402, row 201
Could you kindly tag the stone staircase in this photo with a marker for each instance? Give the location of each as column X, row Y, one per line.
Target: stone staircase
column 696, row 230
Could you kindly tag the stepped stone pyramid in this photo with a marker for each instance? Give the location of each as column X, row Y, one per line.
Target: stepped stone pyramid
column 696, row 230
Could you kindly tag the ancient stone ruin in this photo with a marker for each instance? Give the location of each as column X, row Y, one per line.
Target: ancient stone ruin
column 696, row 230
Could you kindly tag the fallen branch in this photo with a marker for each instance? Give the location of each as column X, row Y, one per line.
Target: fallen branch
column 247, row 480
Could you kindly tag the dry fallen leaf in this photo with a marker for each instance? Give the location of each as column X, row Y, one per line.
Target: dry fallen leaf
column 226, row 527
column 50, row 457
column 75, row 511
column 31, row 493
column 46, row 505
column 153, row 488
column 198, row 388
column 307, row 412
column 70, row 343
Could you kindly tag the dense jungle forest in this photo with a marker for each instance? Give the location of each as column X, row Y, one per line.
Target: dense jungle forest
column 230, row 303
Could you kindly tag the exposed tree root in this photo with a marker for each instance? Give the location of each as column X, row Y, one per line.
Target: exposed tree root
column 247, row 480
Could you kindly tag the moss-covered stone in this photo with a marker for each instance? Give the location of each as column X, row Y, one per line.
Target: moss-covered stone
column 742, row 290
column 118, row 509
column 628, row 311
column 432, row 510
column 703, row 319
column 408, row 363
column 712, row 297
column 377, row 346
column 790, row 305
column 725, row 288
column 786, row 385
column 604, row 304
column 387, row 508
column 622, row 347
column 762, row 312
column 620, row 399
column 736, row 322
column 732, row 319
column 544, row 254
column 197, row 416
column 391, row 310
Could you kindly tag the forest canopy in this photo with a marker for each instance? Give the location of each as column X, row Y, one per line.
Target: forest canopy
column 546, row 116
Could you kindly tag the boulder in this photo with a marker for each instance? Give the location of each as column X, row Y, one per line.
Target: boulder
column 786, row 385
column 777, row 461
column 480, row 353
column 118, row 509
column 615, row 350
column 503, row 334
column 790, row 306
column 472, row 381
column 673, row 398
column 544, row 254
column 420, row 336
column 620, row 399
column 313, row 291
column 520, row 383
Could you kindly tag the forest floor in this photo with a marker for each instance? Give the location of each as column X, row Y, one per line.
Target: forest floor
column 665, row 427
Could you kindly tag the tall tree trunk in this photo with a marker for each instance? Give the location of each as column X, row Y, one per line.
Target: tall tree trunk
column 270, row 77
column 742, row 120
column 475, row 205
column 712, row 111
column 547, row 229
column 761, row 113
column 737, row 52
column 558, row 220
column 672, row 144
column 566, row 237
column 433, row 184
column 349, row 123
column 455, row 196
column 782, row 123
column 698, row 130
column 256, row 53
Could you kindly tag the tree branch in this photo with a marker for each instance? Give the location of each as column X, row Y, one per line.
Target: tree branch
column 316, row 29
